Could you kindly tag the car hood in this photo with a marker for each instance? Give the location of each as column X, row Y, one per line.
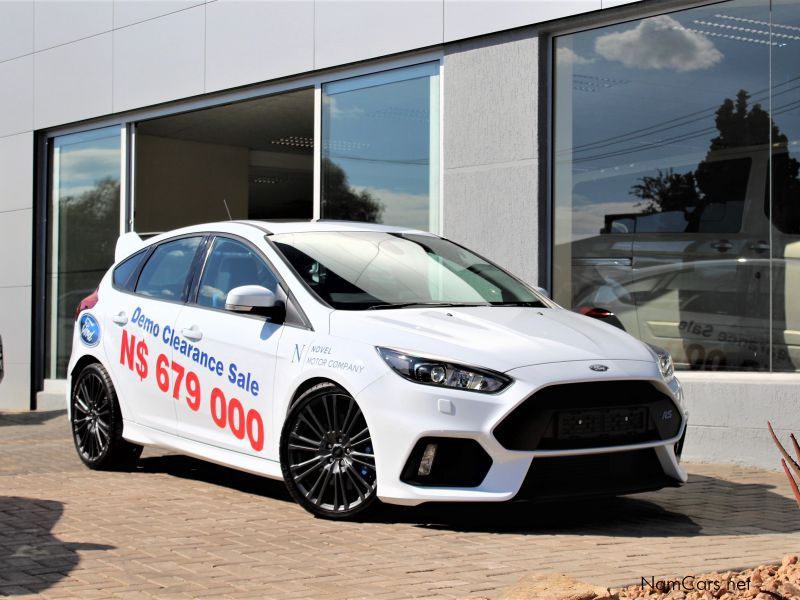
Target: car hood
column 499, row 338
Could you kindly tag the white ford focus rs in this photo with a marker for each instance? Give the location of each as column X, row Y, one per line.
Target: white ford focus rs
column 361, row 363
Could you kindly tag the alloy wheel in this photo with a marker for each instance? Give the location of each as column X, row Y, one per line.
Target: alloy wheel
column 329, row 454
column 91, row 416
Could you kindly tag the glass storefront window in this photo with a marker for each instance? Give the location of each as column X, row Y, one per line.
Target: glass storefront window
column 83, row 226
column 380, row 148
column 783, row 189
column 670, row 209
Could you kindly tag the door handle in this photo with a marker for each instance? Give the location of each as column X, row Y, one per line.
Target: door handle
column 192, row 333
column 120, row 319
column 759, row 246
column 722, row 245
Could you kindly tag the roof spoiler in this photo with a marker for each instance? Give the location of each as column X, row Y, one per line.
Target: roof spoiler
column 127, row 244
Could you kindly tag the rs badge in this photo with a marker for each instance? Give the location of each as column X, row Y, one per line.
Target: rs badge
column 90, row 330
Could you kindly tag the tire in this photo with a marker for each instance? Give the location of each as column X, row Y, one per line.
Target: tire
column 96, row 422
column 326, row 452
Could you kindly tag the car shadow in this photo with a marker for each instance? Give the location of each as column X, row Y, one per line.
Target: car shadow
column 32, row 559
column 706, row 506
column 624, row 516
column 29, row 417
column 187, row 467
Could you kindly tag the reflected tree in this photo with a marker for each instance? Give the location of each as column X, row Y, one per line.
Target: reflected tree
column 89, row 224
column 341, row 201
column 666, row 191
column 742, row 129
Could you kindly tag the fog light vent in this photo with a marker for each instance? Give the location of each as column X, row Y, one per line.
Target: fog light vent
column 446, row 462
column 426, row 464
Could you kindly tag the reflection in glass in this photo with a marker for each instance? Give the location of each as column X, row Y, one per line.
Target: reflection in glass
column 380, row 148
column 662, row 158
column 783, row 189
column 83, row 224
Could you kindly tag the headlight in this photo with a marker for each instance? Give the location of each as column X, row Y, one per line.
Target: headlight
column 443, row 374
column 664, row 361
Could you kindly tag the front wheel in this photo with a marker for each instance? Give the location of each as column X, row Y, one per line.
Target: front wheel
column 97, row 422
column 327, row 457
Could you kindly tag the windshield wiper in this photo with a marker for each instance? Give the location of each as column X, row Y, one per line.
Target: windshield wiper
column 528, row 303
column 424, row 304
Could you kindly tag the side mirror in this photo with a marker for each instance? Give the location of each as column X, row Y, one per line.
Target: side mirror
column 253, row 299
column 542, row 291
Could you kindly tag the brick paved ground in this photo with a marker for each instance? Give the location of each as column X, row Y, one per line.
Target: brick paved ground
column 181, row 528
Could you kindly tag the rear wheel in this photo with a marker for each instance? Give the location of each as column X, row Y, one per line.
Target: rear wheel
column 97, row 422
column 327, row 457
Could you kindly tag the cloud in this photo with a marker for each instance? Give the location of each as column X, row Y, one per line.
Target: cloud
column 331, row 103
column 659, row 43
column 567, row 56
column 87, row 165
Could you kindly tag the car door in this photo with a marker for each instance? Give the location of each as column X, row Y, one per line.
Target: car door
column 139, row 317
column 227, row 359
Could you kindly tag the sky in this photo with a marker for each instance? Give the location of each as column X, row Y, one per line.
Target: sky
column 643, row 95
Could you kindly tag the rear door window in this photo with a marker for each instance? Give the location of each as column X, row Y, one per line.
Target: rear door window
column 166, row 272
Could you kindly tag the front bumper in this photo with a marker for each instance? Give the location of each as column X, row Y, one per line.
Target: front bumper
column 403, row 417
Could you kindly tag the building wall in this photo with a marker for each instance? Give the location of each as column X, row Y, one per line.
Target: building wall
column 490, row 157
column 67, row 61
column 16, row 244
column 64, row 61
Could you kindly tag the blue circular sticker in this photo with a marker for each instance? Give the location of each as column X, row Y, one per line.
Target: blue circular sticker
column 90, row 330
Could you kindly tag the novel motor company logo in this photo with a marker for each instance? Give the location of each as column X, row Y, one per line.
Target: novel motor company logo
column 90, row 330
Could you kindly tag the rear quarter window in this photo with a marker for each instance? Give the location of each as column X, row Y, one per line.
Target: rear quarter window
column 124, row 272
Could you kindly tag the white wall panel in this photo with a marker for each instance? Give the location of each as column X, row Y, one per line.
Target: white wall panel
column 249, row 41
column 128, row 12
column 15, row 325
column 73, row 82
column 16, row 95
column 16, row 227
column 349, row 30
column 16, row 28
column 16, row 174
column 467, row 18
column 15, row 388
column 62, row 21
column 159, row 60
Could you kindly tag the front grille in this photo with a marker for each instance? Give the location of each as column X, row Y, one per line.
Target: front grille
column 613, row 473
column 590, row 415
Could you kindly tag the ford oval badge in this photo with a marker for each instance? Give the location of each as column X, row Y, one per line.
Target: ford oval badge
column 90, row 330
column 598, row 368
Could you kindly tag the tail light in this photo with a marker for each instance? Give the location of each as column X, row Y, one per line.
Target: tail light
column 595, row 312
column 601, row 314
column 86, row 303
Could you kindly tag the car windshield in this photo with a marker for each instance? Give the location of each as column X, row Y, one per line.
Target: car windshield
column 374, row 270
